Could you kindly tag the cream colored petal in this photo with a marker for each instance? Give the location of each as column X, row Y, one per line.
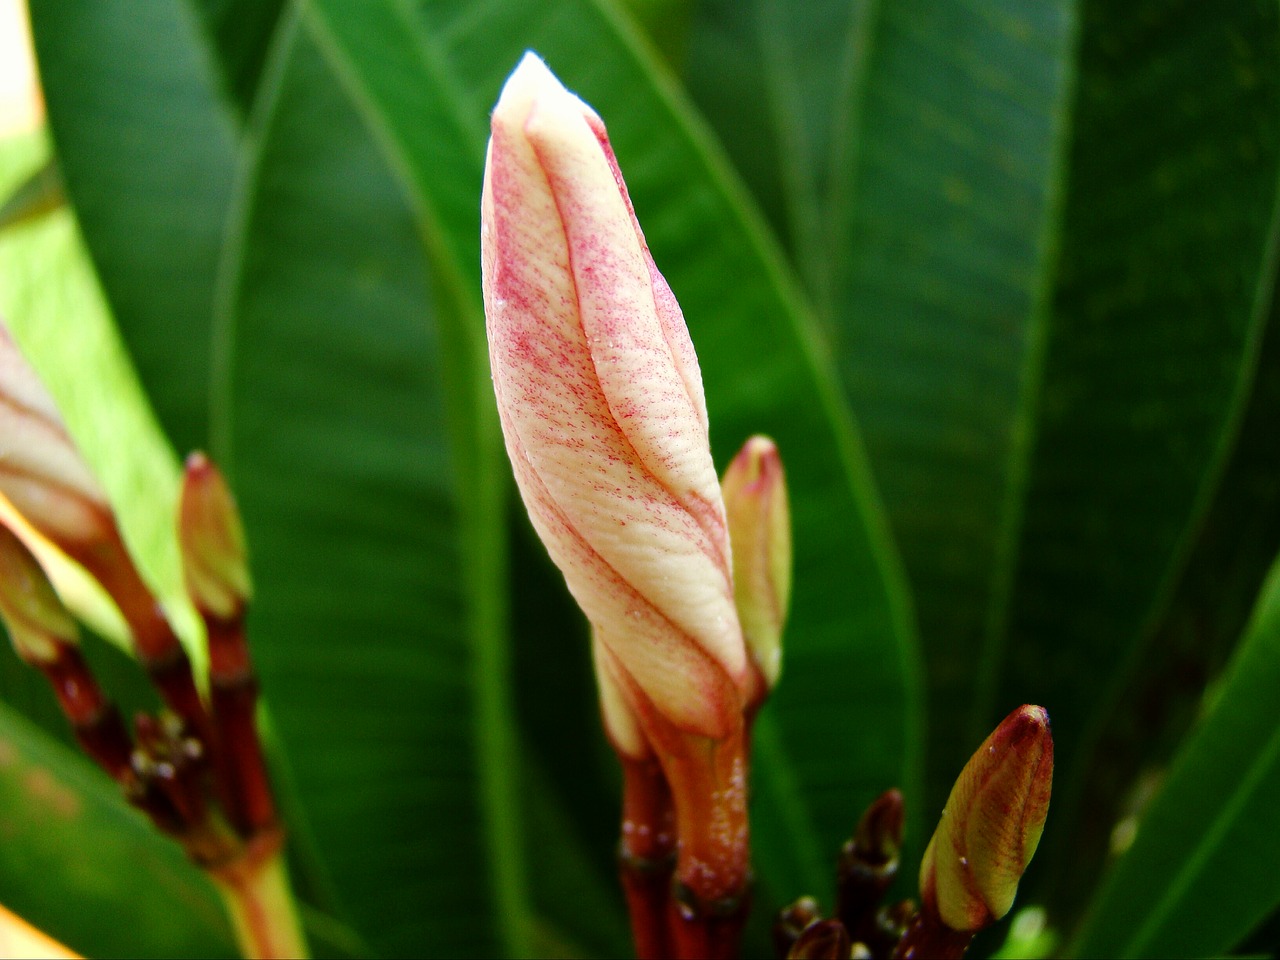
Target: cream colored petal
column 668, row 543
column 41, row 472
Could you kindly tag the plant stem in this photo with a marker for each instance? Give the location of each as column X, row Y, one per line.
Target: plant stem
column 256, row 891
column 647, row 855
column 708, row 784
column 929, row 937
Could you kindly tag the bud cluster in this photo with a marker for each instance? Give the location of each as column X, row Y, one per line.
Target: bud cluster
column 196, row 768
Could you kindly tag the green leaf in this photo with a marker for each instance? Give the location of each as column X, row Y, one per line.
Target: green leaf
column 1167, row 268
column 240, row 32
column 847, row 707
column 147, row 148
column 944, row 195
column 1239, row 538
column 78, row 863
column 375, row 617
column 40, row 193
column 54, row 308
column 1200, row 875
column 919, row 160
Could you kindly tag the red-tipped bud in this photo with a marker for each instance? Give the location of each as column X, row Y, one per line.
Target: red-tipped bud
column 991, row 824
column 878, row 838
column 212, row 541
column 37, row 622
column 755, row 500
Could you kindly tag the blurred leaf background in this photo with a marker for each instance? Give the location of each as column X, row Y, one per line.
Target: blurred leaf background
column 997, row 276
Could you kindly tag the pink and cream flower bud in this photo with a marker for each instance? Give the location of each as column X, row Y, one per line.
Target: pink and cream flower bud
column 991, row 824
column 50, row 487
column 602, row 408
column 37, row 622
column 755, row 498
column 41, row 472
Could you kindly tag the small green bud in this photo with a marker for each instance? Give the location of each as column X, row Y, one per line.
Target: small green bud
column 37, row 621
column 212, row 540
column 755, row 500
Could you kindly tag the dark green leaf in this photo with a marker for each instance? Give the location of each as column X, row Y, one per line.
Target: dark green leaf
column 1239, row 538
column 1163, row 292
column 240, row 32
column 147, row 149
column 78, row 863
column 367, row 623
column 944, row 198
column 1201, row 873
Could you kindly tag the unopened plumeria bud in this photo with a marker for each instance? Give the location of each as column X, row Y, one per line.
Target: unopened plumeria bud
column 602, row 408
column 212, row 540
column 601, row 404
column 43, row 474
column 37, row 622
column 991, row 824
column 755, row 499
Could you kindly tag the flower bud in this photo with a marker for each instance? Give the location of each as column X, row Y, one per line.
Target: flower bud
column 41, row 472
column 33, row 614
column 212, row 541
column 49, row 486
column 991, row 824
column 755, row 500
column 601, row 404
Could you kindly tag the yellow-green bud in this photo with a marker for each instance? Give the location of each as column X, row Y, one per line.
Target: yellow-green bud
column 755, row 500
column 33, row 614
column 991, row 824
column 212, row 539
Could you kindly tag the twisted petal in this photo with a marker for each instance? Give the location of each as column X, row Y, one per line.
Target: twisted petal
column 41, row 472
column 601, row 402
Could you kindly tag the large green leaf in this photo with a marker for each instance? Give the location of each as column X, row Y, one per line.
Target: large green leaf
column 1201, row 873
column 1045, row 303
column 920, row 162
column 1239, row 539
column 1163, row 292
column 380, row 667
column 147, row 148
column 78, row 863
column 846, row 711
column 944, row 199
column 239, row 34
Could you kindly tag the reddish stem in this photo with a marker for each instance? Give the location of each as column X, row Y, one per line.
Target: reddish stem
column 708, row 784
column 95, row 720
column 233, row 698
column 646, row 855
column 159, row 650
column 928, row 938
